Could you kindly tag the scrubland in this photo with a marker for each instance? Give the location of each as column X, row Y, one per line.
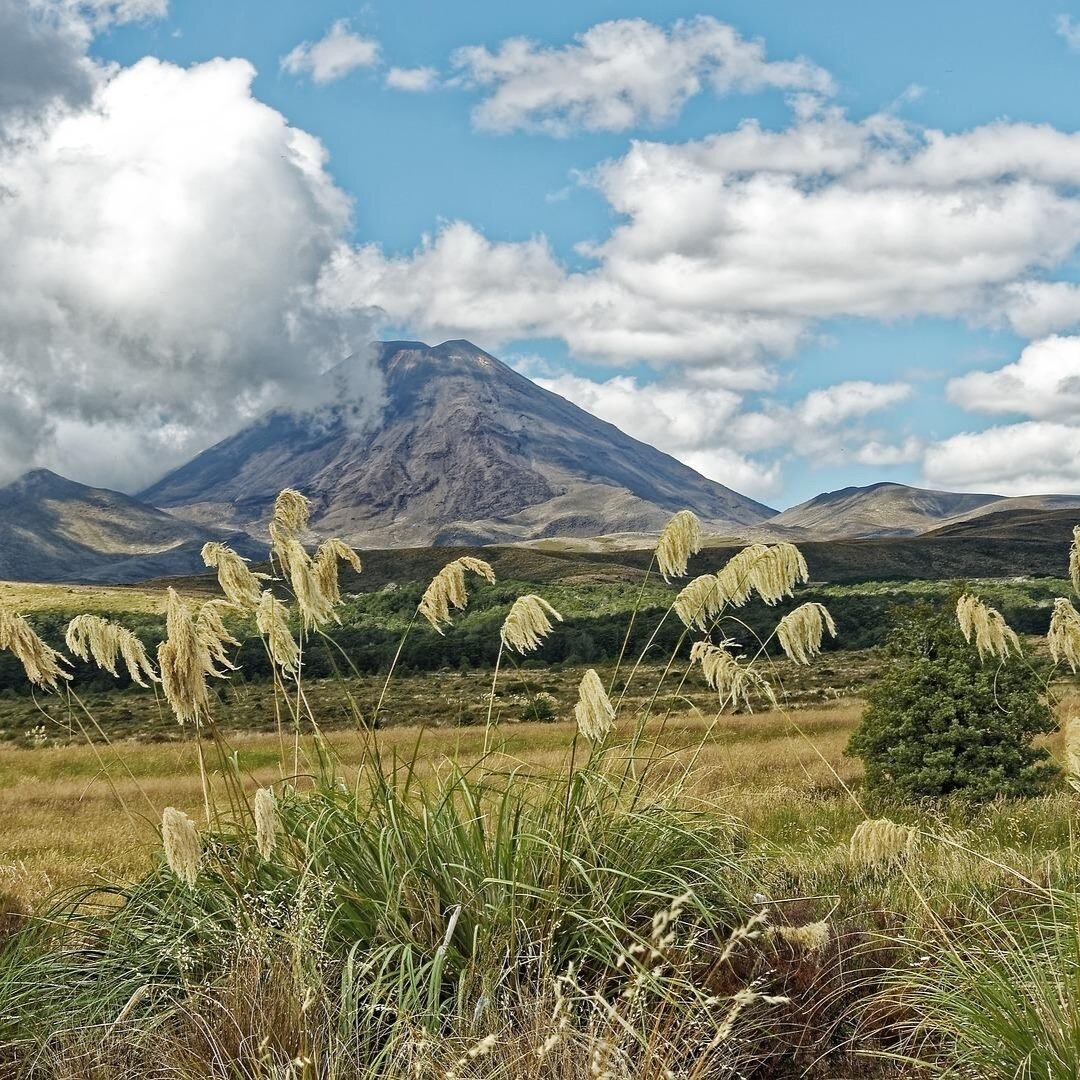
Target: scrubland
column 644, row 884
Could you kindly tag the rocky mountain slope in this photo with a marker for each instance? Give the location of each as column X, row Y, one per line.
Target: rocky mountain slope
column 468, row 451
column 54, row 529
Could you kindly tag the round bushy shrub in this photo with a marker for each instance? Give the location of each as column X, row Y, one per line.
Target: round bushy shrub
column 942, row 721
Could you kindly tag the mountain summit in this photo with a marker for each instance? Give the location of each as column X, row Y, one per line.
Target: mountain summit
column 467, row 451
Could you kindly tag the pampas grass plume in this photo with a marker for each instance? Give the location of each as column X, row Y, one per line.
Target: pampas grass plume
column 528, row 623
column 594, row 712
column 325, row 566
column 880, row 840
column 809, row 938
column 1064, row 635
column 680, row 539
column 1074, row 560
column 734, row 682
column 699, row 601
column 800, row 631
column 40, row 662
column 265, row 822
column 447, row 589
column 272, row 622
column 240, row 586
column 183, row 849
column 993, row 636
column 91, row 636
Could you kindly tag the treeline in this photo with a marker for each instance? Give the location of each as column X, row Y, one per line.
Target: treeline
column 373, row 624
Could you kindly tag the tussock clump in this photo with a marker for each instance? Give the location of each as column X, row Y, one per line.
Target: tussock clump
column 325, row 566
column 528, row 623
column 193, row 648
column 107, row 642
column 447, row 589
column 680, row 539
column 880, row 840
column 594, row 712
column 265, row 822
column 700, row 601
column 239, row 584
column 1064, row 635
column 40, row 662
column 272, row 621
column 183, row 849
column 800, row 631
column 734, row 682
column 987, row 625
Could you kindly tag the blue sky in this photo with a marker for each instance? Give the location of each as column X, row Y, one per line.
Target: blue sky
column 836, row 243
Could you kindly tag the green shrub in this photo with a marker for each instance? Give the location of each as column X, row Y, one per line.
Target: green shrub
column 943, row 721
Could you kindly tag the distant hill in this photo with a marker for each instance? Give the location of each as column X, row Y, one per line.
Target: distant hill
column 468, row 452
column 54, row 529
column 878, row 510
column 886, row 509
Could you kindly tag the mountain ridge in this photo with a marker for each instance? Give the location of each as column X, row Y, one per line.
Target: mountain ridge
column 56, row 529
column 468, row 451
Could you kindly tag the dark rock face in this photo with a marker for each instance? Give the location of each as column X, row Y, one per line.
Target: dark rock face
column 54, row 529
column 467, row 451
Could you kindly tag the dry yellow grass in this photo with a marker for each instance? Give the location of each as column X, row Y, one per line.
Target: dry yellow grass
column 77, row 813
column 28, row 596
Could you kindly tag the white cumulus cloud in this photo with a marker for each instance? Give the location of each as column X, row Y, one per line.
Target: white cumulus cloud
column 709, row 428
column 161, row 245
column 416, row 80
column 620, row 74
column 1043, row 384
column 332, row 57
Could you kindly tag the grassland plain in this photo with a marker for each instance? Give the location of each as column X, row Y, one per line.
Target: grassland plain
column 685, row 893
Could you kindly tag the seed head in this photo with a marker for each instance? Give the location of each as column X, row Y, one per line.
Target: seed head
column 800, row 631
column 594, row 711
column 809, row 938
column 40, row 662
column 265, row 822
column 193, row 648
column 240, row 586
column 992, row 633
column 289, row 520
column 882, row 841
column 680, row 539
column 272, row 621
column 700, row 601
column 734, row 682
column 183, row 849
column 1064, row 635
column 107, row 642
column 527, row 624
column 736, row 579
column 325, row 566
column 1074, row 560
column 447, row 589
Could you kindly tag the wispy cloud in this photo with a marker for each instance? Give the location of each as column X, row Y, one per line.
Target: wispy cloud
column 1069, row 30
column 414, row 80
column 621, row 74
column 333, row 56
